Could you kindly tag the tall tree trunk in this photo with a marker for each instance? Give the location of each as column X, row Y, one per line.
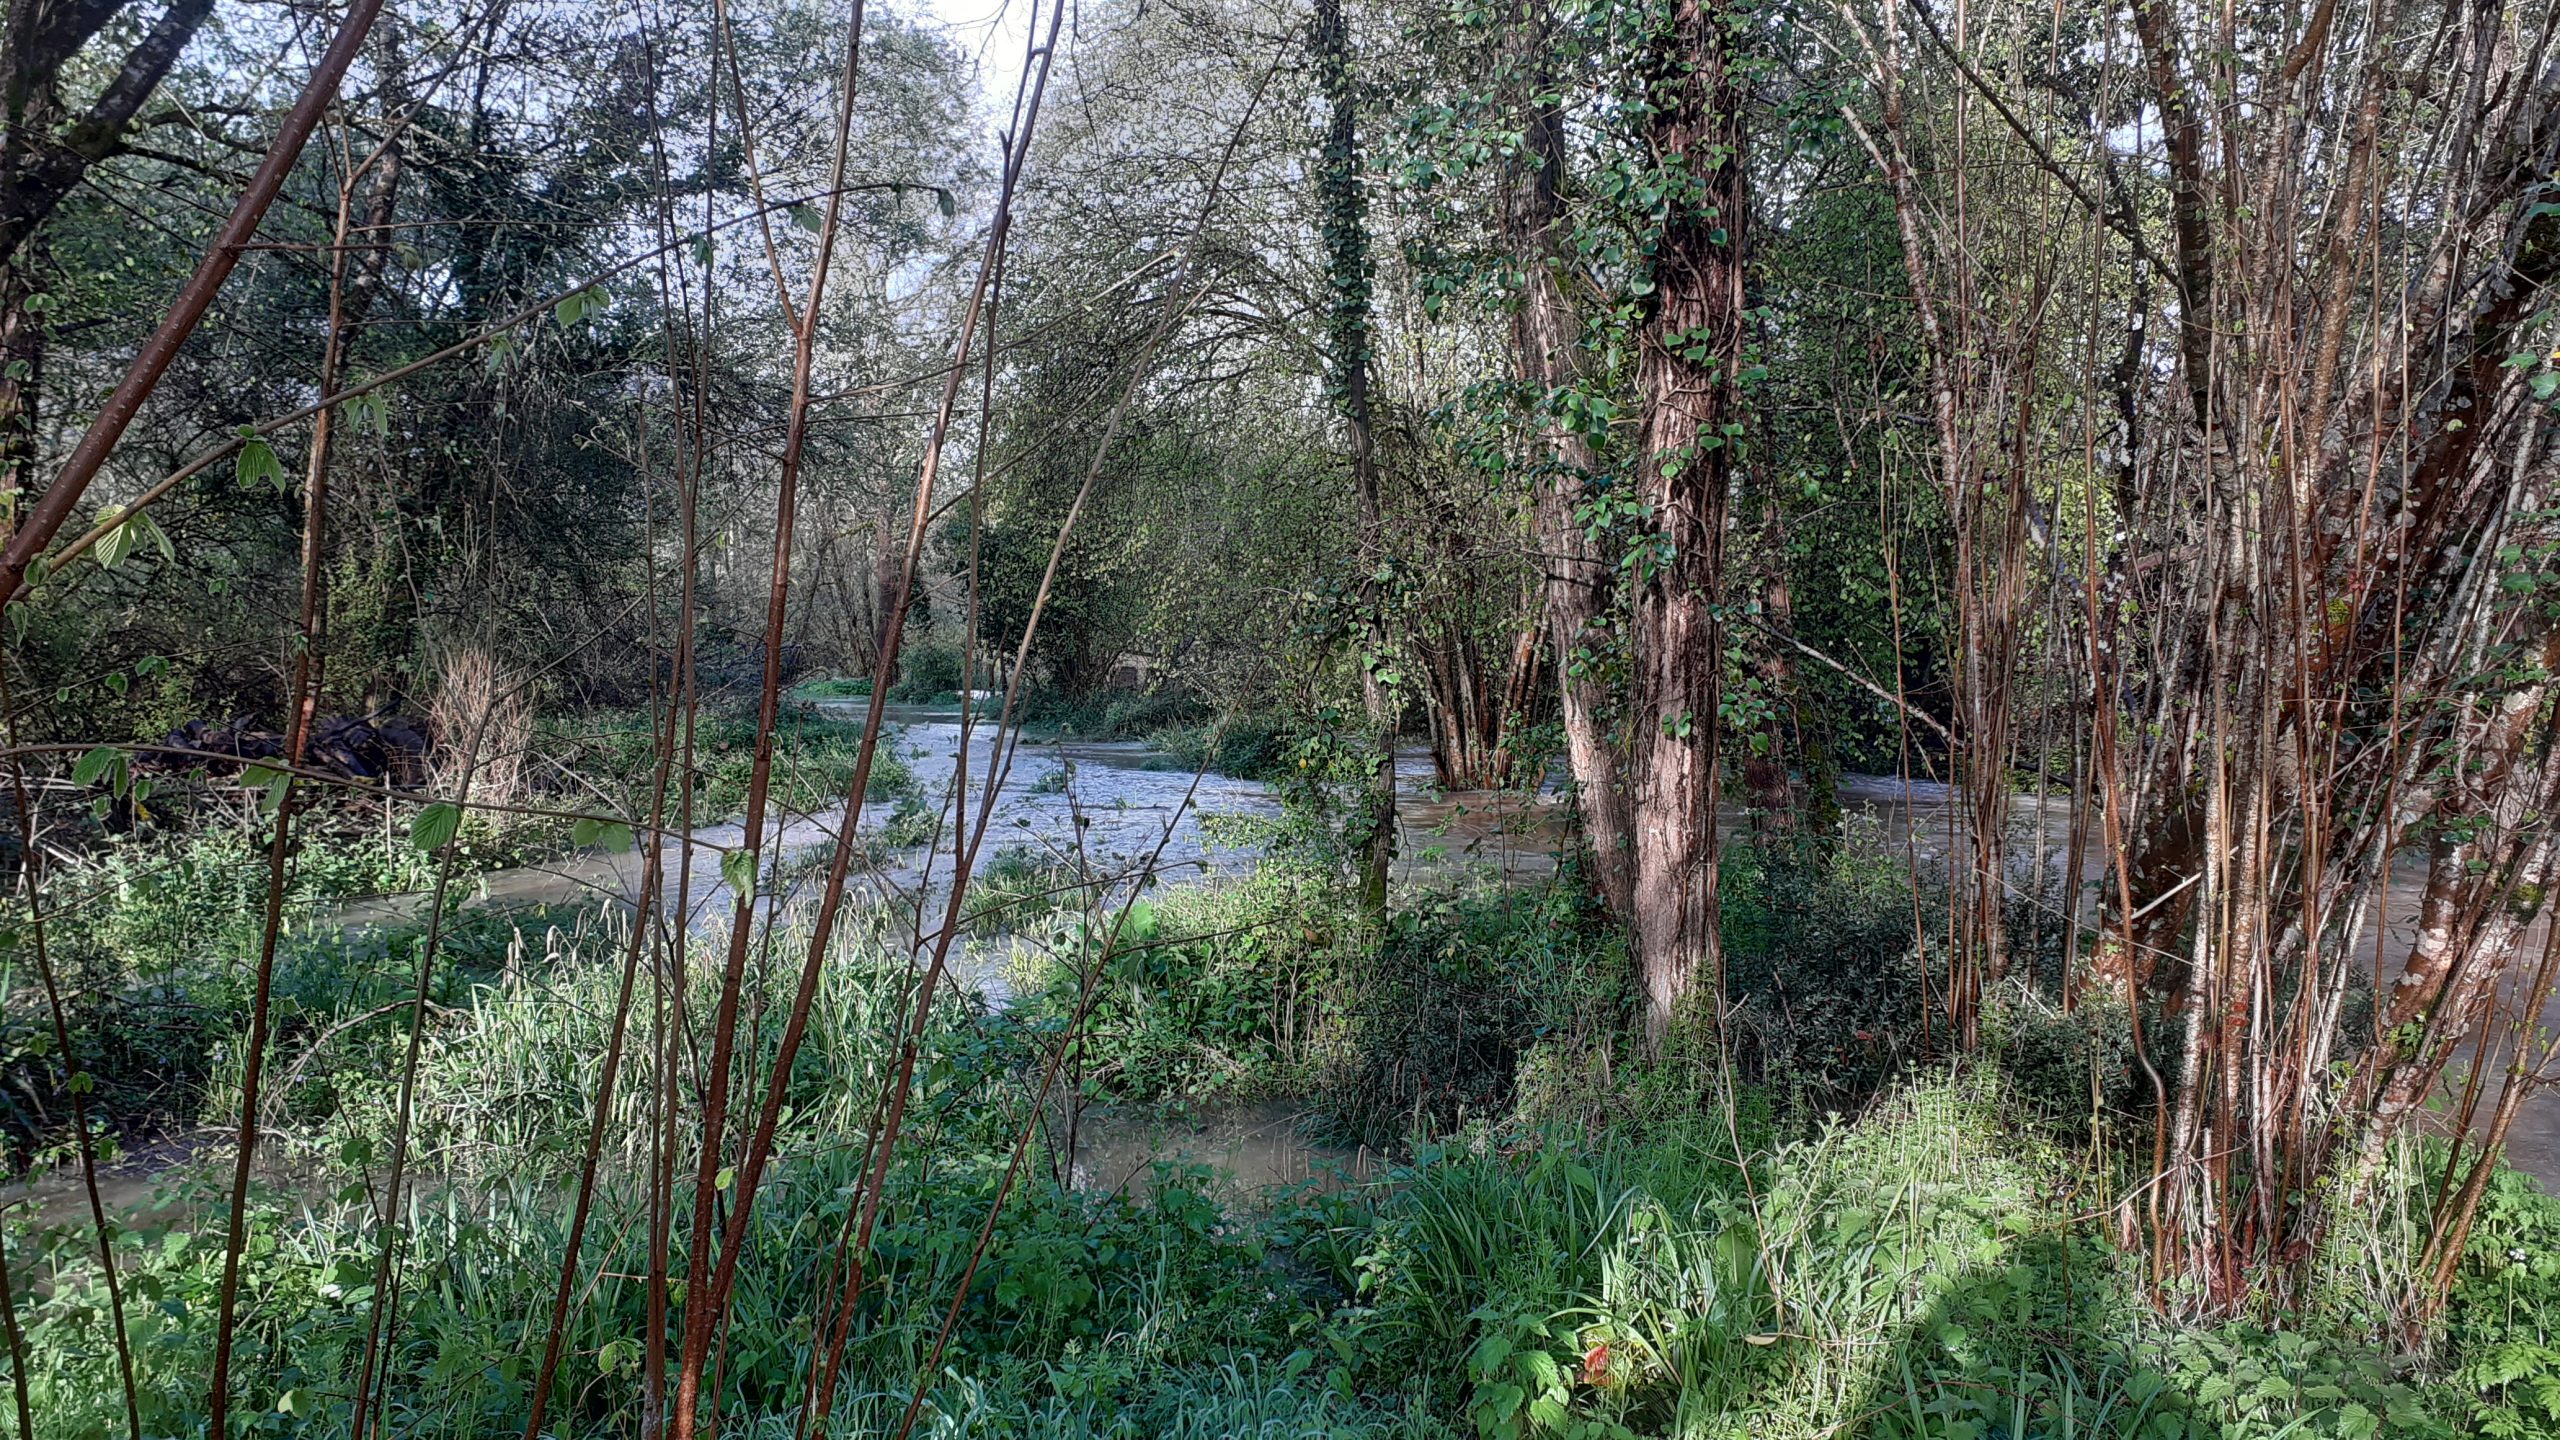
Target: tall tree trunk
column 21, row 379
column 1346, row 221
column 1686, row 373
column 1773, row 807
column 1580, row 580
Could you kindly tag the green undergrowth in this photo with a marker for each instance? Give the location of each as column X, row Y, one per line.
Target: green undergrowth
column 833, row 687
column 1579, row 1242
column 1221, row 989
column 1920, row 1270
column 615, row 753
column 152, row 942
column 1191, row 733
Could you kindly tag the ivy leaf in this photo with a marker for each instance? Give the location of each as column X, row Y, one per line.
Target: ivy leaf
column 434, row 825
column 738, row 871
column 604, row 834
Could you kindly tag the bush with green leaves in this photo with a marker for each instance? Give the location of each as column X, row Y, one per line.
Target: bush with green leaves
column 1461, row 986
column 1654, row 1259
column 930, row 668
column 813, row 762
column 1223, row 988
column 2502, row 1320
column 150, row 939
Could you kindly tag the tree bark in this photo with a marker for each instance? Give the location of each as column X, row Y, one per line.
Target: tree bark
column 1580, row 581
column 46, row 151
column 1346, row 221
column 1686, row 373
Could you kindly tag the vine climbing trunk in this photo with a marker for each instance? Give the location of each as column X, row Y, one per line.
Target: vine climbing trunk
column 1346, row 220
column 1687, row 374
column 1551, row 364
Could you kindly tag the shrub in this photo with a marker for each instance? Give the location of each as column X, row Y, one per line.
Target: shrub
column 930, row 667
column 1222, row 988
column 1825, row 962
column 833, row 687
column 1436, row 1016
column 2502, row 1321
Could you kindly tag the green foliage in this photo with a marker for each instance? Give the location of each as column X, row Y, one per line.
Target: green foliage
column 930, row 667
column 813, row 762
column 1463, row 985
column 833, row 687
column 1823, row 955
column 2503, row 1317
column 1019, row 890
column 151, row 939
column 1643, row 1260
column 1220, row 989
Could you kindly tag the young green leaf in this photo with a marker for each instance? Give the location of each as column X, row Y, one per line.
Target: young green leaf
column 258, row 464
column 603, row 834
column 116, row 544
column 434, row 825
column 738, row 870
column 95, row 764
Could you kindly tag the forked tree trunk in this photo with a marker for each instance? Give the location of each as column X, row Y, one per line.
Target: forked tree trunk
column 1476, row 704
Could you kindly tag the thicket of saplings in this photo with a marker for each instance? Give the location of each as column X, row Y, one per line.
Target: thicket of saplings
column 1803, row 1227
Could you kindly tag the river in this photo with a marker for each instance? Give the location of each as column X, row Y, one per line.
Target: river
column 1125, row 809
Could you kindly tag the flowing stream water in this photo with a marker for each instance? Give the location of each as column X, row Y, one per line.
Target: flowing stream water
column 1122, row 810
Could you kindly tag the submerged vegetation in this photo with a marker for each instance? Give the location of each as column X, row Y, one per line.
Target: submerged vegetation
column 1816, row 718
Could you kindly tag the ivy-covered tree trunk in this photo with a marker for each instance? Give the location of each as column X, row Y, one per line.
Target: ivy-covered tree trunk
column 1686, row 375
column 1346, row 236
column 21, row 379
column 1581, row 582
